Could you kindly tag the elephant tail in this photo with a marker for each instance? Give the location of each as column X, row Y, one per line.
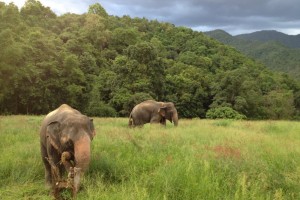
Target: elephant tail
column 130, row 123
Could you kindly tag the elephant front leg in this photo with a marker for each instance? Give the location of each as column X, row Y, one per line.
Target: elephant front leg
column 48, row 175
column 47, row 167
column 163, row 121
column 55, row 176
column 74, row 180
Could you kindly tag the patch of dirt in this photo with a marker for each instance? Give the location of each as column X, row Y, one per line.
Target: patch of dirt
column 223, row 151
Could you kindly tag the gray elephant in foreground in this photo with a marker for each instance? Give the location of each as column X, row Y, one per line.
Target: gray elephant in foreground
column 151, row 111
column 65, row 139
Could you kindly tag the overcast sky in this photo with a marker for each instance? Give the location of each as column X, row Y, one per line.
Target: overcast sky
column 233, row 16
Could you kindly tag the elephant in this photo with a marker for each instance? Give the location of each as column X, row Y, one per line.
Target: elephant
column 65, row 139
column 151, row 111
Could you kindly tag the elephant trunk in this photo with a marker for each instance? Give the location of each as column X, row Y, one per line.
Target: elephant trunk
column 82, row 155
column 82, row 152
column 175, row 119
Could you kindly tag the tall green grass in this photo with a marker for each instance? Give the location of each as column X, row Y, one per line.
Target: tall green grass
column 200, row 159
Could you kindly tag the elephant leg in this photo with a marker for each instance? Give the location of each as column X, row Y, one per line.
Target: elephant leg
column 48, row 176
column 163, row 121
column 56, row 169
column 155, row 119
column 137, row 122
column 47, row 166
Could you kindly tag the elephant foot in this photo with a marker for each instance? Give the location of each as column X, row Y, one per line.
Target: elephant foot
column 48, row 182
column 48, row 185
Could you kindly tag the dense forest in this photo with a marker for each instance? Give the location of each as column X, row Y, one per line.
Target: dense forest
column 276, row 50
column 103, row 65
column 291, row 41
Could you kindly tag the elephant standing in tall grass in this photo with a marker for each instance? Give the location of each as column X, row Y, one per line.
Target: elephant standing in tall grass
column 65, row 139
column 151, row 111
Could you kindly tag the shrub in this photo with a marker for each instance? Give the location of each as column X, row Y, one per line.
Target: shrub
column 134, row 100
column 100, row 109
column 224, row 113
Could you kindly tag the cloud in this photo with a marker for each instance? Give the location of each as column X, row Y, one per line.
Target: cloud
column 233, row 16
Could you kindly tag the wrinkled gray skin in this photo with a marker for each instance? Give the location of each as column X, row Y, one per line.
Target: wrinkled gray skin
column 66, row 130
column 151, row 111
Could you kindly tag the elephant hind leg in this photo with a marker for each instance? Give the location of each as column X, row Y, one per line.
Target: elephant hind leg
column 130, row 123
column 137, row 123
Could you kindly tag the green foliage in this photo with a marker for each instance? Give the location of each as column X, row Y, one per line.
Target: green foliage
column 224, row 113
column 36, row 14
column 100, row 109
column 97, row 9
column 279, row 105
column 104, row 65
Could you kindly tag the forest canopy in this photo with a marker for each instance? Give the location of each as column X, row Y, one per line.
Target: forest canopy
column 103, row 65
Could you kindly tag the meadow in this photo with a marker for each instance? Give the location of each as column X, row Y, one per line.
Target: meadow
column 200, row 159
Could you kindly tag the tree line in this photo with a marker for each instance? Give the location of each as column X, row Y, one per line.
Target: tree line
column 103, row 65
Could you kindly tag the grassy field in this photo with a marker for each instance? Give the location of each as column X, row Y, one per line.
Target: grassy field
column 200, row 159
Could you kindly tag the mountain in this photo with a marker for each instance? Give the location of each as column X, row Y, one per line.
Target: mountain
column 292, row 41
column 268, row 47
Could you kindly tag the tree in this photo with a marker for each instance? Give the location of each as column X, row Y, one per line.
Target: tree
column 187, row 86
column 98, row 10
column 36, row 14
column 279, row 104
column 122, row 38
column 11, row 56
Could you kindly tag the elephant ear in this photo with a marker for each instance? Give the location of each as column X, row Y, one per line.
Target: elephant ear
column 162, row 111
column 53, row 134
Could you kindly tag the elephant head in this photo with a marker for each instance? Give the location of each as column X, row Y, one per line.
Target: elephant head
column 169, row 112
column 74, row 135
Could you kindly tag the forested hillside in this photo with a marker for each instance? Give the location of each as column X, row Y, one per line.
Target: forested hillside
column 276, row 50
column 292, row 41
column 103, row 65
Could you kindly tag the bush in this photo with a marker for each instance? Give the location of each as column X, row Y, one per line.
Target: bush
column 101, row 109
column 224, row 113
column 134, row 100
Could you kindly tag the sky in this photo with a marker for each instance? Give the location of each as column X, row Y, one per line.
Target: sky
column 232, row 16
